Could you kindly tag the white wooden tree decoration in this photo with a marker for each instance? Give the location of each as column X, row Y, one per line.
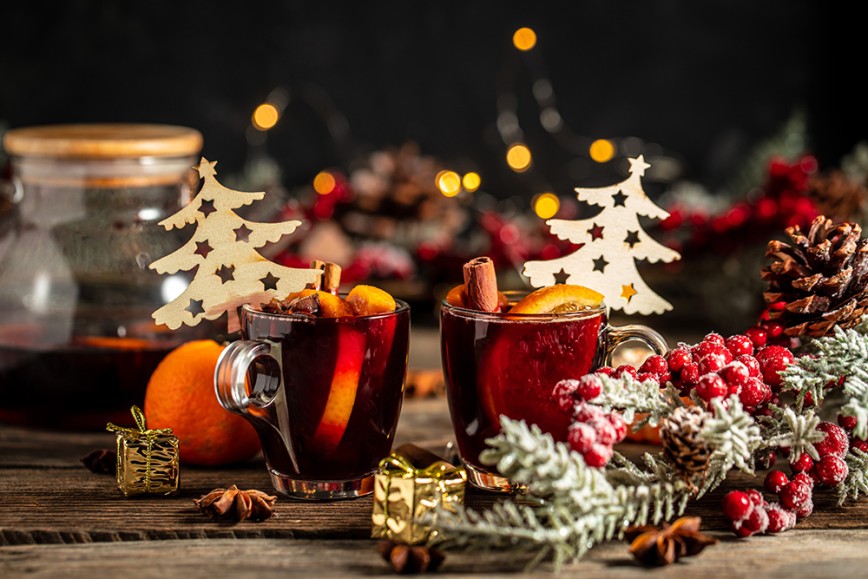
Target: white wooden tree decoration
column 230, row 272
column 610, row 243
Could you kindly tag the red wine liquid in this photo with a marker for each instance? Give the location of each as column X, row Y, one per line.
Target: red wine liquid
column 310, row 358
column 497, row 366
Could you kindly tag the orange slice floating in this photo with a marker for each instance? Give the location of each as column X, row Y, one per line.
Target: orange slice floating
column 342, row 391
column 331, row 306
column 558, row 299
column 366, row 300
column 458, row 297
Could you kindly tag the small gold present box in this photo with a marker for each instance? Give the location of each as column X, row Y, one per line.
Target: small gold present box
column 147, row 459
column 411, row 482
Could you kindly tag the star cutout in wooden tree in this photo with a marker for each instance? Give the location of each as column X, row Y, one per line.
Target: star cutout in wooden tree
column 225, row 273
column 600, row 264
column 561, row 277
column 632, row 238
column 270, row 281
column 195, row 308
column 242, row 233
column 203, row 248
column 627, row 291
column 596, row 232
column 207, row 207
column 619, row 199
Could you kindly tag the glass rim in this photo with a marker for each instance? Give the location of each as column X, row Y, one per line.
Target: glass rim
column 402, row 307
column 506, row 316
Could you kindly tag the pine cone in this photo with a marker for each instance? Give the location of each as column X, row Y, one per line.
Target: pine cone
column 821, row 278
column 838, row 196
column 679, row 434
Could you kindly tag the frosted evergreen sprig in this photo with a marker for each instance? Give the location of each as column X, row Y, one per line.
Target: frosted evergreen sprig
column 630, row 396
column 732, row 433
column 843, row 354
column 798, row 432
column 857, row 476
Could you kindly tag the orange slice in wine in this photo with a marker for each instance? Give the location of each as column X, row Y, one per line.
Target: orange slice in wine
column 351, row 345
column 366, row 300
column 331, row 306
column 558, row 299
column 457, row 297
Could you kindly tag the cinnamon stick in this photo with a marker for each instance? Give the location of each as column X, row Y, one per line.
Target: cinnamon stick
column 480, row 284
column 331, row 279
column 320, row 265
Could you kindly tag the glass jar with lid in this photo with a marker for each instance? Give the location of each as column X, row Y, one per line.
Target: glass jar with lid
column 77, row 233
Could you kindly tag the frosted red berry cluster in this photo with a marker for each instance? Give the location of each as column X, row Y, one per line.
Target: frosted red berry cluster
column 593, row 432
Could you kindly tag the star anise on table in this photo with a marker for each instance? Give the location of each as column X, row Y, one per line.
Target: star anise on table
column 101, row 461
column 410, row 559
column 654, row 546
column 233, row 503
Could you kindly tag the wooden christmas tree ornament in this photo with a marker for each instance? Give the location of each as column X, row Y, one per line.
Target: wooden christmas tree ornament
column 231, row 272
column 610, row 243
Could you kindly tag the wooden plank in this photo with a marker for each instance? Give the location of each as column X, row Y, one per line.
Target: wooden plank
column 791, row 555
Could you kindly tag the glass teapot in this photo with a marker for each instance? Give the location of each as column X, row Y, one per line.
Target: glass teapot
column 78, row 229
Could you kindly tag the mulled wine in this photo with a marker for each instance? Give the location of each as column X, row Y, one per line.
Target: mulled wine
column 324, row 394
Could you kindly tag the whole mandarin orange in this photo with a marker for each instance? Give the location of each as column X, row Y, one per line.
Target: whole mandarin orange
column 180, row 395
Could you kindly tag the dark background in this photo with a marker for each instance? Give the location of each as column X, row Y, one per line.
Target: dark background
column 704, row 81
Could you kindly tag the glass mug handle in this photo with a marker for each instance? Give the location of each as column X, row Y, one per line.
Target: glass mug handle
column 230, row 377
column 619, row 335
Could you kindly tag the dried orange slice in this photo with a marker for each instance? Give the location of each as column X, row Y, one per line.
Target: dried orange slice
column 351, row 347
column 366, row 300
column 558, row 299
column 331, row 306
column 458, row 297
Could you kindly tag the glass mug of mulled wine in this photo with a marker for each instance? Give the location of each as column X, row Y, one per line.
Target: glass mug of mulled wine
column 502, row 363
column 323, row 393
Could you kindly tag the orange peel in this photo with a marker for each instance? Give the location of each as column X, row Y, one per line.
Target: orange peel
column 366, row 300
column 558, row 299
column 457, row 297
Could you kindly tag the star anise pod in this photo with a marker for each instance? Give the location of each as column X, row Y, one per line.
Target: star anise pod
column 410, row 559
column 233, row 503
column 102, row 461
column 666, row 545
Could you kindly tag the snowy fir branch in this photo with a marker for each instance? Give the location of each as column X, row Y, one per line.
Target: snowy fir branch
column 856, row 481
column 732, row 433
column 630, row 396
column 798, row 432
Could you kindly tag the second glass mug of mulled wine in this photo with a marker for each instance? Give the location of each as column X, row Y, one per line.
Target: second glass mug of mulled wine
column 502, row 363
column 324, row 394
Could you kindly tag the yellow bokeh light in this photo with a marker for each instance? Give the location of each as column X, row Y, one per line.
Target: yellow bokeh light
column 602, row 150
column 471, row 181
column 265, row 116
column 324, row 183
column 449, row 183
column 524, row 39
column 546, row 205
column 518, row 157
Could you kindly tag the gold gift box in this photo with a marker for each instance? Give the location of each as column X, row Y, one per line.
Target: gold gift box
column 410, row 484
column 148, row 460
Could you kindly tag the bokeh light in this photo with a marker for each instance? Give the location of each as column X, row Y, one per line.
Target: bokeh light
column 602, row 150
column 324, row 183
column 449, row 183
column 265, row 116
column 546, row 205
column 518, row 157
column 471, row 181
column 524, row 39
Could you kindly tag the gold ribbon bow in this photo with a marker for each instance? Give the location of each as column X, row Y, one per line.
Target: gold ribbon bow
column 140, row 431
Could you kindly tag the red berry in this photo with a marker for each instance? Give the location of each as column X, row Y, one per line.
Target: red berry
column 835, row 443
column 735, row 374
column 805, row 509
column 831, row 470
column 606, row 434
column 646, row 376
column 711, row 363
column 775, row 481
column 677, row 358
column 627, row 369
column 585, row 412
column 754, row 393
column 703, row 349
column 804, row 478
column 755, row 497
column 690, row 375
column 803, row 464
column 605, row 371
column 847, row 422
column 772, row 360
column 617, row 422
column 794, row 495
column 737, row 506
column 739, row 345
column 564, row 394
column 740, row 530
column 773, row 329
column 711, row 386
column 589, row 387
column 714, row 338
column 751, row 364
column 655, row 365
column 757, row 521
column 859, row 444
column 664, row 377
column 581, row 436
column 598, row 455
column 779, row 519
column 758, row 336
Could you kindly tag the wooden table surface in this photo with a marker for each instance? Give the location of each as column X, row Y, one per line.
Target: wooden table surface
column 59, row 520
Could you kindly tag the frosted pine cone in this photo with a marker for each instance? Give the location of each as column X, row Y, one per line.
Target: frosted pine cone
column 821, row 278
column 679, row 434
